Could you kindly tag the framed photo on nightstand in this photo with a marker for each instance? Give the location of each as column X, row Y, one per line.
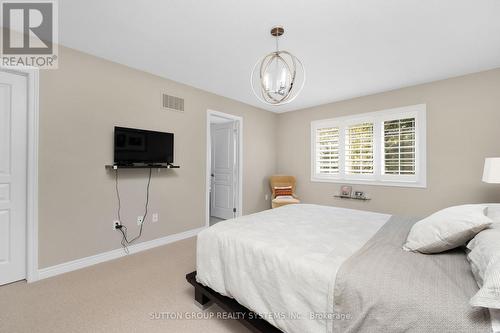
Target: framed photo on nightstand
column 359, row 195
column 345, row 191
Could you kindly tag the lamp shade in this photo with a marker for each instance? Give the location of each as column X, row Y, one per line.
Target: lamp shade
column 491, row 172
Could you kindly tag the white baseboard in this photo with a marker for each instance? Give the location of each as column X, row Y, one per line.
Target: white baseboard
column 113, row 254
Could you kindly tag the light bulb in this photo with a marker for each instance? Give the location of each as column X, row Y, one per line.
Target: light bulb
column 283, row 78
column 266, row 82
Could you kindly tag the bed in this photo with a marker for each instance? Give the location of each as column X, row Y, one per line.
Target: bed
column 310, row 268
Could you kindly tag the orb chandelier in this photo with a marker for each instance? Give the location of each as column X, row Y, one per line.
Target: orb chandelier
column 278, row 77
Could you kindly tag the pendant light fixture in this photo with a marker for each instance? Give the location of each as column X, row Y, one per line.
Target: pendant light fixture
column 278, row 77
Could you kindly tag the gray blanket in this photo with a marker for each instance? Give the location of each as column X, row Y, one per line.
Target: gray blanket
column 383, row 288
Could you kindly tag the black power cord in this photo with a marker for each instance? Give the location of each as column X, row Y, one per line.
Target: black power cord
column 125, row 242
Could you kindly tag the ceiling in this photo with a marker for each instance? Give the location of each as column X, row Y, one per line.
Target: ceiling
column 349, row 47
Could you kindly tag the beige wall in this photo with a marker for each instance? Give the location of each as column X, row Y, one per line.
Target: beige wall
column 463, row 127
column 80, row 103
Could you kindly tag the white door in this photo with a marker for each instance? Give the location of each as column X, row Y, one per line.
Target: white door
column 13, row 162
column 224, row 169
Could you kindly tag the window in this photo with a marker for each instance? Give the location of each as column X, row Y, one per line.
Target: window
column 399, row 147
column 380, row 148
column 327, row 143
column 359, row 149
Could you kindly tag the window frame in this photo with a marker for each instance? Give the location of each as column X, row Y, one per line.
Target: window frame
column 378, row 177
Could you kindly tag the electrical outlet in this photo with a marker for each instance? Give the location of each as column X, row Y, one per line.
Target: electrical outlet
column 115, row 224
column 267, row 197
column 155, row 217
column 140, row 219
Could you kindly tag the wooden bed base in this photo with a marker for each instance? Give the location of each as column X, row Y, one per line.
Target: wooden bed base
column 204, row 295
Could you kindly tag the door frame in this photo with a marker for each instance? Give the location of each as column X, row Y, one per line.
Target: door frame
column 32, row 77
column 239, row 204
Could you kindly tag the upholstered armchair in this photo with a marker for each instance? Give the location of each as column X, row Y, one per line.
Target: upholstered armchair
column 283, row 191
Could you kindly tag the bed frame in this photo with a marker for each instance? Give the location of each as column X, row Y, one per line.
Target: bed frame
column 205, row 295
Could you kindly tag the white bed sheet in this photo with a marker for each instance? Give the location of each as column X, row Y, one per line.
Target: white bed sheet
column 282, row 263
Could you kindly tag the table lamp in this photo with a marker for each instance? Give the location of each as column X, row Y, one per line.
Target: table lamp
column 491, row 172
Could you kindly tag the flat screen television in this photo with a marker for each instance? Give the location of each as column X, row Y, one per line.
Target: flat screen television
column 137, row 146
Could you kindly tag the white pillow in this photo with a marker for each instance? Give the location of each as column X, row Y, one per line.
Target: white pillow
column 447, row 229
column 489, row 294
column 482, row 249
column 483, row 253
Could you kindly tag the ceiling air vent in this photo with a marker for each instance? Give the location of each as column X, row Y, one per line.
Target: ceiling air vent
column 172, row 103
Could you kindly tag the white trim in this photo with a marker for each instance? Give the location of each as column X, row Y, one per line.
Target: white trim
column 239, row 119
column 113, row 254
column 377, row 118
column 32, row 75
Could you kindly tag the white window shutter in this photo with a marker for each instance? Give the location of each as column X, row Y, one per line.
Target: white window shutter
column 399, row 147
column 385, row 147
column 359, row 158
column 327, row 151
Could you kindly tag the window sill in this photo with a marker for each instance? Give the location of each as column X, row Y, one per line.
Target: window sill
column 388, row 183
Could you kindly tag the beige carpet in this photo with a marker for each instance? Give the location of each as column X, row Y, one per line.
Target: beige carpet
column 118, row 296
